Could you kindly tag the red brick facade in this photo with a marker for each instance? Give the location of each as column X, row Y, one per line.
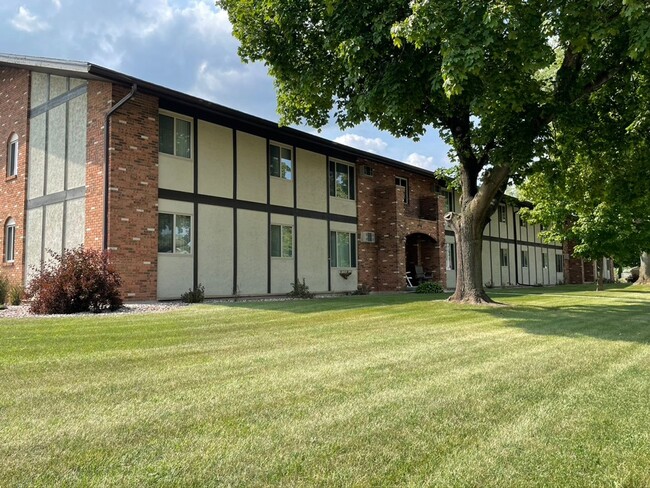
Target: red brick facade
column 406, row 233
column 133, row 194
column 14, row 119
column 99, row 102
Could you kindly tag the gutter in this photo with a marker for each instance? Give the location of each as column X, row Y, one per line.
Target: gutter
column 107, row 132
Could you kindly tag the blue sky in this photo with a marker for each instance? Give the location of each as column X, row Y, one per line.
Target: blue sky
column 182, row 44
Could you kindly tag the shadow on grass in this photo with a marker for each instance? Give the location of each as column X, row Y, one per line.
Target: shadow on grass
column 627, row 320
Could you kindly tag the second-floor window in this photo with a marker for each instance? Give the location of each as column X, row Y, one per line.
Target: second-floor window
column 281, row 162
column 502, row 214
column 342, row 180
column 12, row 156
column 175, row 136
column 404, row 183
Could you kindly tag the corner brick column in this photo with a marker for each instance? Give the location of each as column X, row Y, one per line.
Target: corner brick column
column 133, row 194
column 14, row 119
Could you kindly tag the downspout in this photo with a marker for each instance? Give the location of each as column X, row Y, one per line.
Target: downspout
column 107, row 137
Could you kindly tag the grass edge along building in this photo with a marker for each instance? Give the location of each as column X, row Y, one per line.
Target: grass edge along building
column 183, row 191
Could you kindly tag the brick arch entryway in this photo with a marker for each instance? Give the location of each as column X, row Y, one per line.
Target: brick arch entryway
column 423, row 250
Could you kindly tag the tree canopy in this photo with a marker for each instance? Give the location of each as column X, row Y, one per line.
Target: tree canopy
column 490, row 75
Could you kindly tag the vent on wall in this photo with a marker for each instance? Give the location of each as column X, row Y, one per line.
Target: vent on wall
column 367, row 171
column 368, row 237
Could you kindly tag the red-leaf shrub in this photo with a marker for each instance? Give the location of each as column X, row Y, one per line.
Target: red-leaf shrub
column 79, row 280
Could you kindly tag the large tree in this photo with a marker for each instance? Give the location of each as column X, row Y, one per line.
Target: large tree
column 491, row 75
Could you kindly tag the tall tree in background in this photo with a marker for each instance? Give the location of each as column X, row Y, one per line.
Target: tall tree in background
column 491, row 75
column 593, row 188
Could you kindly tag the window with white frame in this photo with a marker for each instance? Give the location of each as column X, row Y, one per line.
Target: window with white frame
column 544, row 260
column 559, row 263
column 174, row 233
column 343, row 248
column 281, row 241
column 404, row 183
column 10, row 241
column 175, row 136
column 503, row 256
column 524, row 259
column 342, row 184
column 451, row 256
column 281, row 161
column 12, row 156
column 503, row 217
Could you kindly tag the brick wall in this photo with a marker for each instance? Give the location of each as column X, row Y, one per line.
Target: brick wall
column 14, row 119
column 99, row 101
column 133, row 194
column 397, row 226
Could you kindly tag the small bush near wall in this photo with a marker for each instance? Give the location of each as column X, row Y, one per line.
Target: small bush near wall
column 4, row 290
column 79, row 280
column 16, row 293
column 194, row 296
column 300, row 290
column 429, row 287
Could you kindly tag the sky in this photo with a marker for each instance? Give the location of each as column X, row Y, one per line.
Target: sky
column 186, row 45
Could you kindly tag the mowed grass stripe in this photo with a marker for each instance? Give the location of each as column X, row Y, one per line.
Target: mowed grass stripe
column 361, row 391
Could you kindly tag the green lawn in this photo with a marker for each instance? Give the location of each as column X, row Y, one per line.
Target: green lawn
column 553, row 390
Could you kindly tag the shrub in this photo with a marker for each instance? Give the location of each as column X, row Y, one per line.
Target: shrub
column 300, row 290
column 4, row 289
column 362, row 290
column 16, row 295
column 194, row 296
column 79, row 280
column 429, row 287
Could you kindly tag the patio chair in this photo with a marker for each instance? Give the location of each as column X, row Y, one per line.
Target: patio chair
column 421, row 276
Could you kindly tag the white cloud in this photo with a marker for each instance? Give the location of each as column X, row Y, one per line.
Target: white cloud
column 375, row 145
column 57, row 4
column 28, row 22
column 422, row 161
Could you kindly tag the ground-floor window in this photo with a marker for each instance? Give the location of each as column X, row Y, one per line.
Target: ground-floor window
column 343, row 247
column 559, row 263
column 544, row 260
column 503, row 254
column 174, row 233
column 524, row 259
column 451, row 256
column 10, row 241
column 281, row 241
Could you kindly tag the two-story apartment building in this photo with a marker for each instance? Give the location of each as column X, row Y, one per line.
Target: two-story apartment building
column 183, row 191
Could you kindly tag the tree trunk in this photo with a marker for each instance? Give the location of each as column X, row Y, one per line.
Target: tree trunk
column 469, row 263
column 644, row 270
column 600, row 282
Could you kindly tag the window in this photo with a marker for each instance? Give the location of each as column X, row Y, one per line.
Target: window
column 281, row 161
column 559, row 263
column 522, row 222
column 503, row 255
column 281, row 241
column 502, row 214
column 450, row 203
column 404, row 183
column 12, row 156
column 451, row 256
column 175, row 136
column 341, row 180
column 10, row 241
column 524, row 259
column 343, row 249
column 544, row 260
column 174, row 233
